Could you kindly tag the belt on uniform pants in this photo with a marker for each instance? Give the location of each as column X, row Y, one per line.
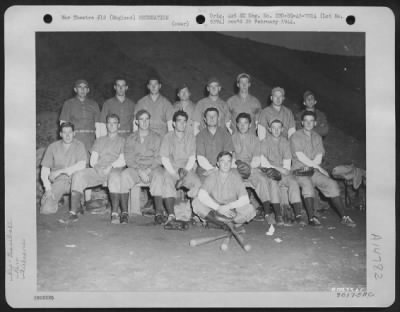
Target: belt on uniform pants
column 85, row 131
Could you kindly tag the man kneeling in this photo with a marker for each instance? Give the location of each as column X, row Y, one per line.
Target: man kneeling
column 223, row 197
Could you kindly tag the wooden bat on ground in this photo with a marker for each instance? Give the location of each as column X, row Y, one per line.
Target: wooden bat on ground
column 205, row 240
column 238, row 238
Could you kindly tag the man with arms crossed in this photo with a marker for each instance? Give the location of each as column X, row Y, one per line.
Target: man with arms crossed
column 61, row 159
column 106, row 159
column 308, row 150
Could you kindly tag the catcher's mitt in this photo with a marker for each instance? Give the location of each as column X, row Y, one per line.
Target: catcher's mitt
column 272, row 173
column 304, row 172
column 244, row 169
column 182, row 172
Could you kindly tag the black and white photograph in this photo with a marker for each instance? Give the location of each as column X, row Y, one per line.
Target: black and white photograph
column 213, row 161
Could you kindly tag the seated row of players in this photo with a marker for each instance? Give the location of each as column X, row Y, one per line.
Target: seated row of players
column 222, row 190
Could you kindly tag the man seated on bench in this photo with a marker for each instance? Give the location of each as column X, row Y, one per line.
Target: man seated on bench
column 142, row 156
column 247, row 149
column 223, row 197
column 177, row 151
column 106, row 159
column 61, row 159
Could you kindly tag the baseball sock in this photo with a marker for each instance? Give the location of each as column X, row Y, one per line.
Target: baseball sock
column 267, row 207
column 115, row 199
column 277, row 210
column 158, row 205
column 75, row 201
column 124, row 198
column 169, row 204
column 309, row 203
column 297, row 208
column 337, row 203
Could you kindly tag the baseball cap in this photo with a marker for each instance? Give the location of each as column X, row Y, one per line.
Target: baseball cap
column 243, row 75
column 278, row 89
column 308, row 93
column 212, row 79
column 80, row 81
column 275, row 120
column 181, row 87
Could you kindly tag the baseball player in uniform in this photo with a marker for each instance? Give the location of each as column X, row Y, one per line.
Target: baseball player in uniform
column 213, row 100
column 61, row 159
column 247, row 149
column 84, row 113
column 275, row 153
column 121, row 106
column 276, row 111
column 159, row 107
column 106, row 159
column 243, row 102
column 186, row 105
column 178, row 150
column 307, row 150
column 322, row 127
column 210, row 142
column 223, row 193
column 141, row 153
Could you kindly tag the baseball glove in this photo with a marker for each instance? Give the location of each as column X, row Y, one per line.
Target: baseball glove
column 182, row 172
column 244, row 169
column 272, row 173
column 304, row 172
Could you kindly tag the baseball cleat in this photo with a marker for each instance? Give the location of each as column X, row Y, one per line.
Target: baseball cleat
column 124, row 218
column 314, row 222
column 346, row 220
column 115, row 218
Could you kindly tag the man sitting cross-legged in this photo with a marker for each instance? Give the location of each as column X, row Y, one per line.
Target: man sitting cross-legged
column 223, row 197
column 106, row 160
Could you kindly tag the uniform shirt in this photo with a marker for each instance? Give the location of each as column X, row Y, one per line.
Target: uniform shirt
column 203, row 104
column 57, row 157
column 285, row 115
column 246, row 146
column 161, row 112
column 250, row 105
column 178, row 150
column 209, row 145
column 108, row 149
column 275, row 151
column 321, row 128
column 227, row 191
column 124, row 110
column 82, row 114
column 310, row 146
column 189, row 109
column 142, row 155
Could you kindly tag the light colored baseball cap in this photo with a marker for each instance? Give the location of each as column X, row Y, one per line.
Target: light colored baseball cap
column 243, row 75
column 213, row 79
column 278, row 89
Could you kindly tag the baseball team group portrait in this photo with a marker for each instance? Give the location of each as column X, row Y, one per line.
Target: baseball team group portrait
column 200, row 161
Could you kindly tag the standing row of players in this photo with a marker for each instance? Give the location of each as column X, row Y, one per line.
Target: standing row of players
column 201, row 139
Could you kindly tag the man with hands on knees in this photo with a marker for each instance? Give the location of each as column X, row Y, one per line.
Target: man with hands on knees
column 223, row 197
column 106, row 160
column 61, row 159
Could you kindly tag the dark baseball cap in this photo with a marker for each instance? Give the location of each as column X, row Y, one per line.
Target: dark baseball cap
column 181, row 87
column 213, row 79
column 80, row 81
column 307, row 94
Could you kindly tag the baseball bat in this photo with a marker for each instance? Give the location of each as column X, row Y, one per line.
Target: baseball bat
column 239, row 238
column 206, row 240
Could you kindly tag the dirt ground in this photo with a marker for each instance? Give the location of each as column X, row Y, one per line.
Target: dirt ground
column 94, row 255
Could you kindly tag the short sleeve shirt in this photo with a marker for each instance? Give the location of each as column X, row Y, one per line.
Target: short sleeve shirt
column 250, row 105
column 275, row 151
column 57, row 157
column 108, row 149
column 124, row 110
column 189, row 109
column 83, row 114
column 322, row 123
column 142, row 155
column 246, row 146
column 209, row 145
column 285, row 115
column 161, row 112
column 224, row 191
column 178, row 150
column 203, row 104
column 310, row 146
